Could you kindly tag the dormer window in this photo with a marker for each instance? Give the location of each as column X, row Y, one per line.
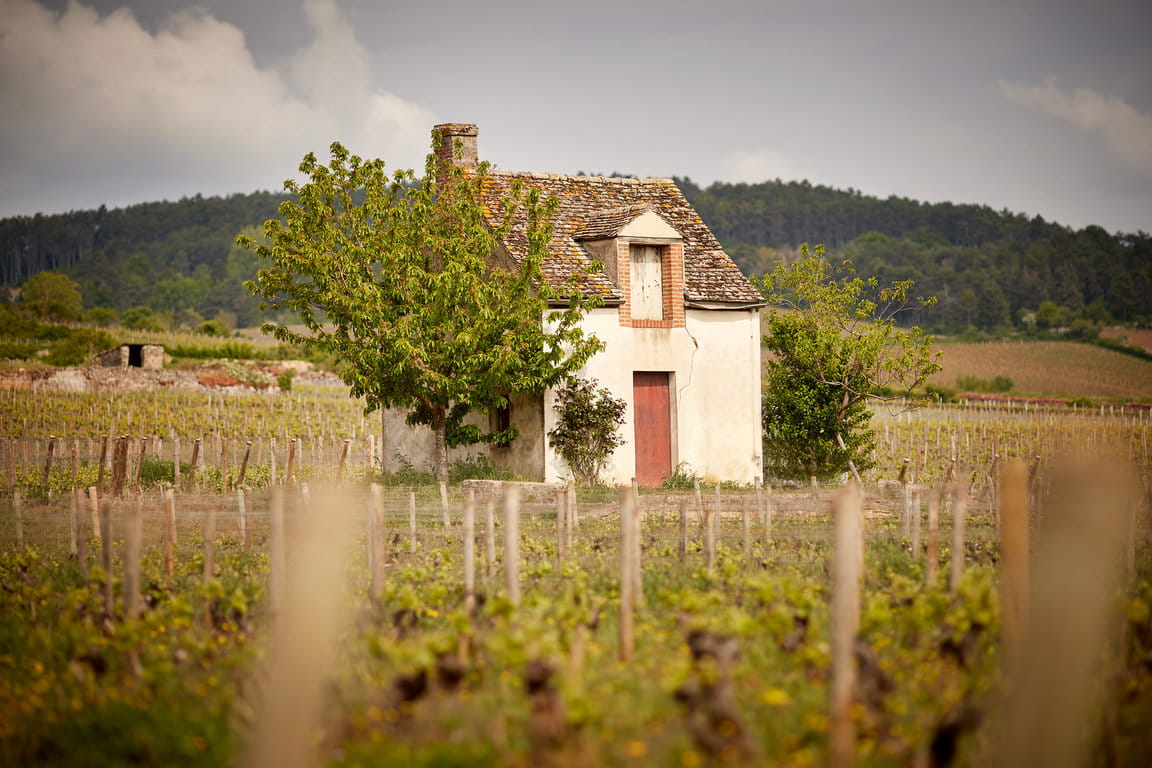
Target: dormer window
column 647, row 287
column 644, row 256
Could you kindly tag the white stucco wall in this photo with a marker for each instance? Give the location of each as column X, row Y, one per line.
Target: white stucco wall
column 715, row 367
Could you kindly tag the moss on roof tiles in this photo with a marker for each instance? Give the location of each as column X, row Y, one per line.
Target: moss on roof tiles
column 599, row 206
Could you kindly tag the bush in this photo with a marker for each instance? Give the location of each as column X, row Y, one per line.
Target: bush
column 79, row 347
column 141, row 319
column 284, row 380
column 939, row 394
column 587, row 428
column 974, row 384
column 681, row 478
column 17, row 350
column 101, row 316
column 215, row 328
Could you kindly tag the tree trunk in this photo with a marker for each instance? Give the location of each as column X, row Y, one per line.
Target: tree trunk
column 439, row 432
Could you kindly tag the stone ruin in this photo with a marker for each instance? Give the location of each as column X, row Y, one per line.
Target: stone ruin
column 149, row 357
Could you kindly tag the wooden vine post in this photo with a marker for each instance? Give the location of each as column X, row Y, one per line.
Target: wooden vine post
column 83, row 535
column 94, row 511
column 412, row 520
column 683, row 507
column 444, row 505
column 746, row 519
column 209, row 544
column 195, row 462
column 343, row 459
column 244, row 464
column 959, row 533
column 103, row 463
column 561, row 526
column 490, row 536
column 242, row 512
column 512, row 542
column 846, row 521
column 933, row 537
column 276, row 548
column 716, row 526
column 18, row 514
column 376, row 539
column 106, row 559
column 916, row 515
column 48, row 463
column 470, row 552
column 140, row 463
column 1014, row 584
column 699, row 501
column 627, row 565
column 709, row 542
column 169, row 532
column 637, row 574
column 290, row 464
column 131, row 586
column 768, row 513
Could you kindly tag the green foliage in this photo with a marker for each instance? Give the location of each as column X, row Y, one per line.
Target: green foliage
column 587, row 428
column 141, row 318
column 681, row 478
column 833, row 346
column 216, row 328
column 51, row 296
column 79, row 347
column 938, row 394
column 17, row 350
column 802, row 416
column 101, row 316
column 394, row 276
column 229, row 350
column 284, row 380
column 976, row 384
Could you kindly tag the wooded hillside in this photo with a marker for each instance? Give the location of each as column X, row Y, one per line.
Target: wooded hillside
column 989, row 269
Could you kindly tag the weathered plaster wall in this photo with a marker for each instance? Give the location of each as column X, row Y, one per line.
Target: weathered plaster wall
column 715, row 365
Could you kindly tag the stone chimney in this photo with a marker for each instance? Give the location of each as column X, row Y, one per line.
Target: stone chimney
column 457, row 144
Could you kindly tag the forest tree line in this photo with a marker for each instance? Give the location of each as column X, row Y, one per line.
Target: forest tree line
column 990, row 270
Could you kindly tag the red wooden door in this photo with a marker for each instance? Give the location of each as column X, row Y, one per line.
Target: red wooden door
column 653, row 427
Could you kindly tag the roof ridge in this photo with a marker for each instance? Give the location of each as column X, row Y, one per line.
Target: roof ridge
column 576, row 176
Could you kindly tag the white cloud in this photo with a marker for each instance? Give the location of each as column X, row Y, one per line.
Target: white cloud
column 98, row 109
column 756, row 165
column 1126, row 131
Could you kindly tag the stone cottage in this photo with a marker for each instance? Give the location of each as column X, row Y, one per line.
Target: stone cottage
column 680, row 322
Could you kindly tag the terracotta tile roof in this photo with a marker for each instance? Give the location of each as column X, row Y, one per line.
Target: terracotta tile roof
column 607, row 223
column 593, row 207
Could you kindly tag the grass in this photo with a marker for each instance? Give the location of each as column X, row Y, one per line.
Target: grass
column 1050, row 369
column 71, row 696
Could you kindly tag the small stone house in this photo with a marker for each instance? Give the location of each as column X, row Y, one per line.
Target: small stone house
column 149, row 357
column 680, row 322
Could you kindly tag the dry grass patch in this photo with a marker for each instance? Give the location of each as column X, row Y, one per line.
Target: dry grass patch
column 1050, row 369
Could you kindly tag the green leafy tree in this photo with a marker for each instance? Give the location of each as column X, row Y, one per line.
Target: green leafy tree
column 51, row 296
column 142, row 319
column 396, row 276
column 835, row 345
column 587, row 428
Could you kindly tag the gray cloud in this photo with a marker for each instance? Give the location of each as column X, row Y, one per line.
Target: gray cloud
column 1125, row 131
column 97, row 98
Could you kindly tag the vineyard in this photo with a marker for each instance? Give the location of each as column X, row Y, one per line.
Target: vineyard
column 244, row 587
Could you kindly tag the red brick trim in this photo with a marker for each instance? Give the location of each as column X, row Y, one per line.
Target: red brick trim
column 672, row 284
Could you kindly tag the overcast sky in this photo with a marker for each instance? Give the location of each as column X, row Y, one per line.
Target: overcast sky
column 1039, row 106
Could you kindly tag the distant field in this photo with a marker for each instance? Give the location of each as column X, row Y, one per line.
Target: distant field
column 1136, row 337
column 1050, row 369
